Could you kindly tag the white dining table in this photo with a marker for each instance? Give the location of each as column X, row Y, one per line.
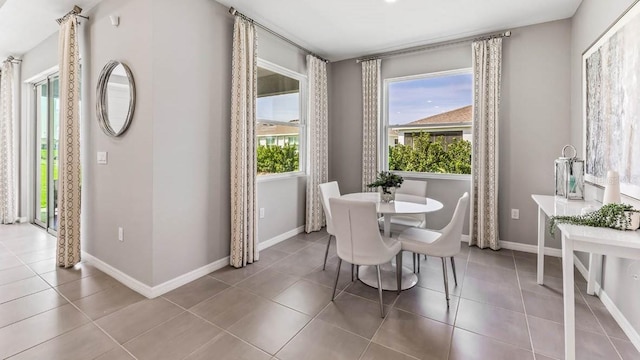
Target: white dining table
column 367, row 274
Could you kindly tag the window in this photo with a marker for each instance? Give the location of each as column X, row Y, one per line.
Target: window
column 427, row 123
column 280, row 126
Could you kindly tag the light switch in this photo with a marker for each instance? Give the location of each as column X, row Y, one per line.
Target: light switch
column 102, row 158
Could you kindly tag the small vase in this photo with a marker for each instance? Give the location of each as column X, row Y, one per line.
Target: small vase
column 387, row 196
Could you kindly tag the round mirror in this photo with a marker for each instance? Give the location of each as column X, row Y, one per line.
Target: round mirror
column 116, row 98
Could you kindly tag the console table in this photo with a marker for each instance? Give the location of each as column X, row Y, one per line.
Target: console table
column 602, row 241
column 550, row 206
column 596, row 241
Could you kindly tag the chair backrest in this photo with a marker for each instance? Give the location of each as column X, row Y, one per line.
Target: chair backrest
column 413, row 187
column 327, row 191
column 449, row 243
column 414, row 191
column 357, row 234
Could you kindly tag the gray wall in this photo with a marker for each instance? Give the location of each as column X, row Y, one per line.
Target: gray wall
column 283, row 199
column 590, row 21
column 120, row 194
column 533, row 125
column 167, row 181
column 191, row 96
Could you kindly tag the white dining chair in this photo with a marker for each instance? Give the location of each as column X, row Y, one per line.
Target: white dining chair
column 414, row 191
column 327, row 191
column 444, row 243
column 359, row 242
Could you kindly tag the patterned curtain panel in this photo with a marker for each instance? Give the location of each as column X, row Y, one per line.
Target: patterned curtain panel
column 244, row 236
column 318, row 141
column 69, row 150
column 370, row 120
column 487, row 64
column 8, row 181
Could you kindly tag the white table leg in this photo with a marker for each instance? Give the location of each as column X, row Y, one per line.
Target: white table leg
column 569, row 300
column 595, row 266
column 541, row 230
column 387, row 225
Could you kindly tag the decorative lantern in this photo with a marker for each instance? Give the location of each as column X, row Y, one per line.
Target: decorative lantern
column 570, row 175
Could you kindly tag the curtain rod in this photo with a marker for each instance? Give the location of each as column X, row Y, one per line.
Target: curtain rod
column 434, row 45
column 13, row 60
column 75, row 11
column 235, row 12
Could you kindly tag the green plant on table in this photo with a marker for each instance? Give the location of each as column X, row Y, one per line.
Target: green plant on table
column 614, row 216
column 387, row 180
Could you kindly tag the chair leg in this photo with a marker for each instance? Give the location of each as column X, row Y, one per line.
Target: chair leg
column 352, row 266
column 399, row 271
column 453, row 267
column 357, row 272
column 446, row 280
column 380, row 291
column 335, row 285
column 414, row 263
column 418, row 257
column 425, row 256
column 326, row 253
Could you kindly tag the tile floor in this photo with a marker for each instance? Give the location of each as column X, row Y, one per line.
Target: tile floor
column 280, row 308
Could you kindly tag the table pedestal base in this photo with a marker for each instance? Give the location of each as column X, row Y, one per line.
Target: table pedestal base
column 367, row 275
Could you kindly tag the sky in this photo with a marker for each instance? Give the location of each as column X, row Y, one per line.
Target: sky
column 412, row 100
column 279, row 107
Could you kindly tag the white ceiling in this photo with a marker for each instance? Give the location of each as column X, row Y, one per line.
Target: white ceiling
column 343, row 29
column 25, row 23
column 335, row 29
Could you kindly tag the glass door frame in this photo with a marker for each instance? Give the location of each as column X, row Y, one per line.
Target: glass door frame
column 50, row 140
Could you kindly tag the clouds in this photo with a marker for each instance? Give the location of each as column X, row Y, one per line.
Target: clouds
column 279, row 107
column 412, row 100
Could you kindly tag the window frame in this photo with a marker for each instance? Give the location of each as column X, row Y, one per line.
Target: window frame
column 303, row 137
column 384, row 127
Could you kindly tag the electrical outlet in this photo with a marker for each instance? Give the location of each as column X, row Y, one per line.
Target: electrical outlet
column 515, row 214
column 261, row 213
column 120, row 234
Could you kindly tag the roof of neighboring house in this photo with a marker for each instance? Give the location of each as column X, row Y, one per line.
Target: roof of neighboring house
column 266, row 129
column 457, row 116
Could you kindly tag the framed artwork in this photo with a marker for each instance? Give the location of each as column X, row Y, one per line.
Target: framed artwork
column 611, row 100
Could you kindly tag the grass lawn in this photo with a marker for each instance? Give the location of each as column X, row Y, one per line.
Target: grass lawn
column 43, row 179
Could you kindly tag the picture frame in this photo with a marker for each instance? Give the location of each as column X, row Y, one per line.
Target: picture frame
column 611, row 104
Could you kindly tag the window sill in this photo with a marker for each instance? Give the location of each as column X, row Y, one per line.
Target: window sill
column 436, row 176
column 281, row 176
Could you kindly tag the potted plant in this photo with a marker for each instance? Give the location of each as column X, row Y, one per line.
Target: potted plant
column 387, row 182
column 614, row 216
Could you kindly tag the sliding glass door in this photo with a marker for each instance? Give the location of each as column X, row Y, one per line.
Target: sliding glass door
column 46, row 162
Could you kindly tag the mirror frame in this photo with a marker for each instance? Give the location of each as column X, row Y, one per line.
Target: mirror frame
column 101, row 99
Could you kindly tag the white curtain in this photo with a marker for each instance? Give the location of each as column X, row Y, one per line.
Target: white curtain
column 487, row 64
column 318, row 141
column 370, row 120
column 244, row 237
column 69, row 149
column 8, row 173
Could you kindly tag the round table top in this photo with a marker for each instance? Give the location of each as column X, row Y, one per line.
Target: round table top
column 396, row 207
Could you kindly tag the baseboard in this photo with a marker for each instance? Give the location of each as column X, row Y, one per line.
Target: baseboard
column 581, row 268
column 175, row 283
column 628, row 329
column 133, row 284
column 529, row 248
column 617, row 315
column 160, row 289
column 522, row 247
column 280, row 238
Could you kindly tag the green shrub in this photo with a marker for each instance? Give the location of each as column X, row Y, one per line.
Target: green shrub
column 431, row 156
column 277, row 159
